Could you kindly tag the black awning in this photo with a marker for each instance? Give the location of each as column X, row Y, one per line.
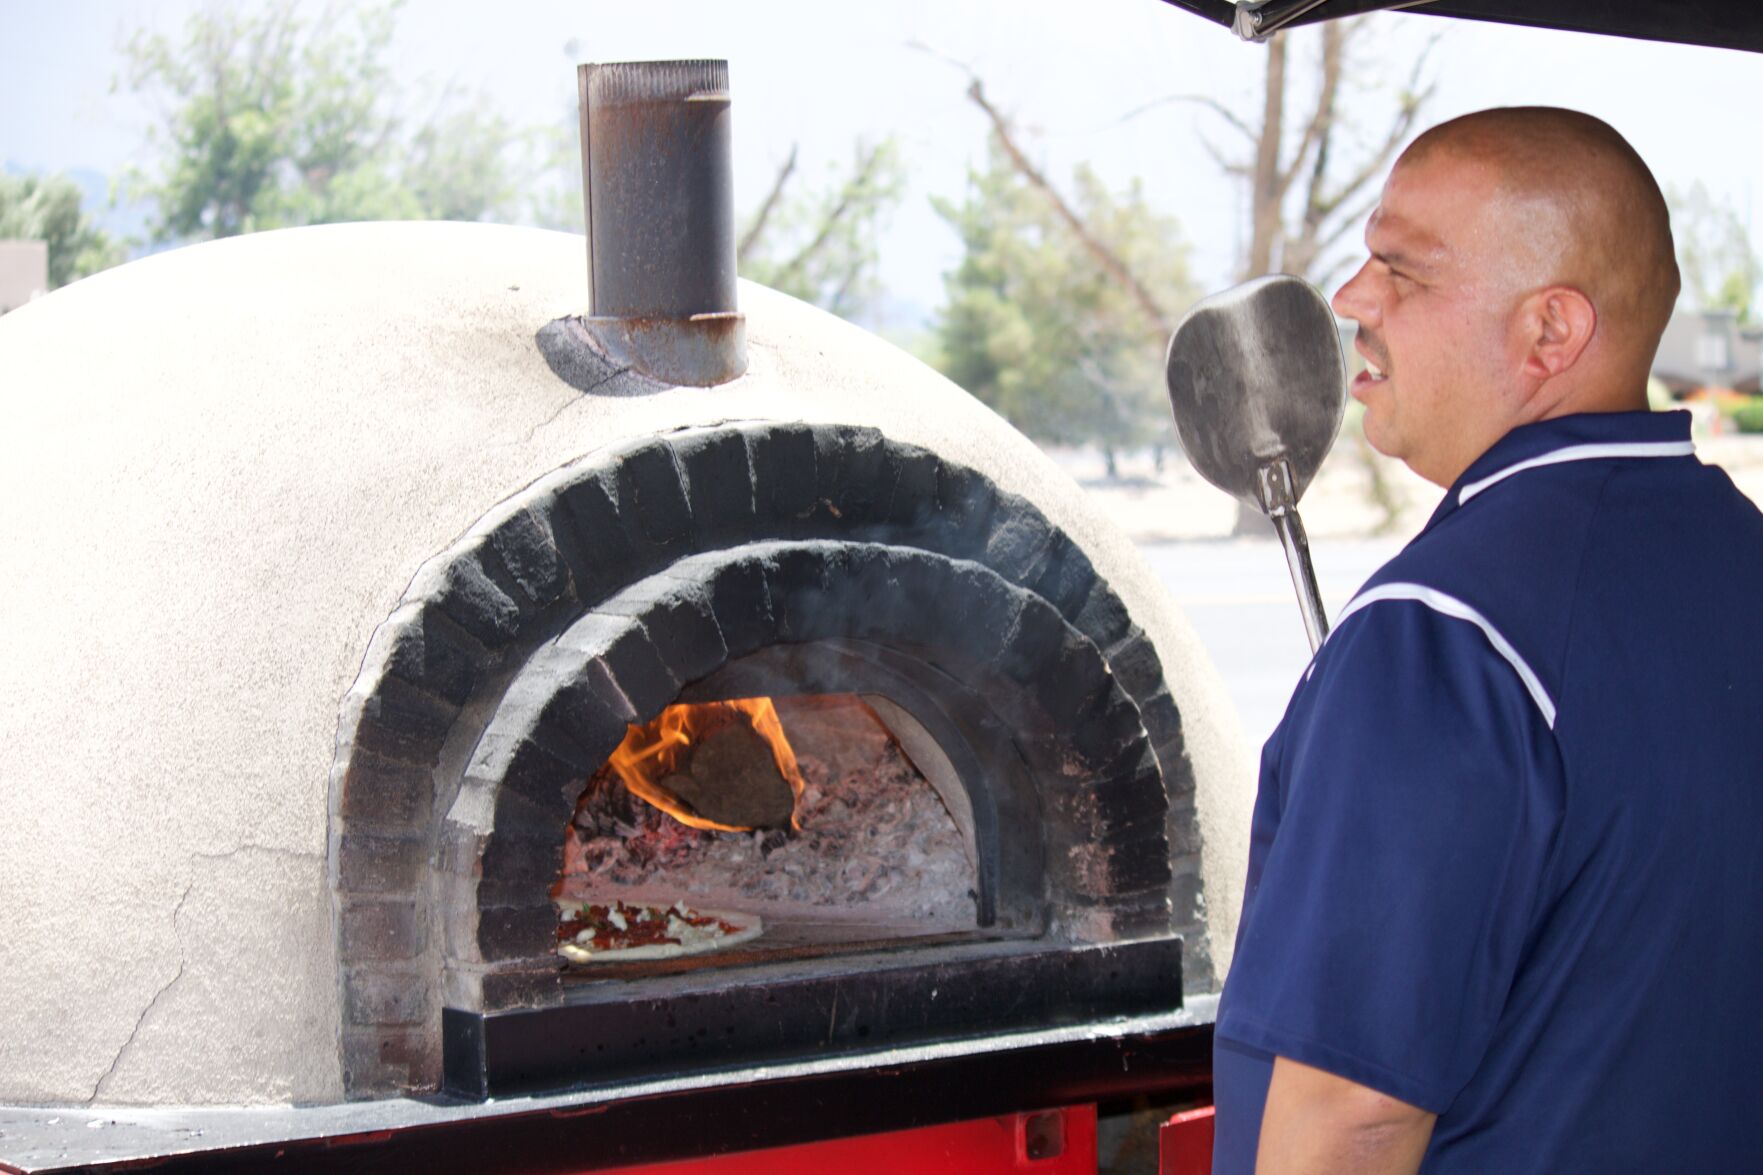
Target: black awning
column 1725, row 24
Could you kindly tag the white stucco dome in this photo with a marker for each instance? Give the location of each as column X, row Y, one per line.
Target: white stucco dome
column 220, row 469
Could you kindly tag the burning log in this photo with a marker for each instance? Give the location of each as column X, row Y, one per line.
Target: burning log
column 733, row 779
column 721, row 766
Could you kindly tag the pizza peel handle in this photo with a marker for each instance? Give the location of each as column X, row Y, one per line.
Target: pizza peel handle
column 1258, row 385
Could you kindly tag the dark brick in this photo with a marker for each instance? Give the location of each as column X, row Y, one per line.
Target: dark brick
column 639, row 672
column 385, row 997
column 849, row 468
column 795, row 582
column 1066, row 575
column 1107, row 733
column 678, row 619
column 591, row 711
column 962, row 524
column 472, row 599
column 399, row 706
column 912, row 502
column 784, row 473
column 1034, row 644
column 525, row 545
column 1178, row 777
column 1162, row 722
column 590, row 506
column 1103, row 618
column 383, row 931
column 434, row 654
column 651, row 498
column 874, row 522
column 517, row 816
column 1111, row 804
column 522, row 932
column 1071, row 683
column 385, row 791
column 719, row 482
column 1101, row 870
column 1019, row 542
column 533, row 768
column 512, row 858
column 379, row 864
column 1136, row 665
column 742, row 606
column 972, row 618
column 527, row 987
column 890, row 591
column 488, row 894
column 393, row 742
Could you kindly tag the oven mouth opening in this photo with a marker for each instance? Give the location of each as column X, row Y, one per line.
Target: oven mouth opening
column 767, row 829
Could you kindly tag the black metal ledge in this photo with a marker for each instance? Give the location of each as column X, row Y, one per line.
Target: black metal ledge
column 618, row 1032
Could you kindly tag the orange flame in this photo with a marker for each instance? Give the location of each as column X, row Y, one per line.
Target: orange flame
column 655, row 750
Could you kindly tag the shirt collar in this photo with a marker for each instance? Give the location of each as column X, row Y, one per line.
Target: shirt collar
column 1588, row 436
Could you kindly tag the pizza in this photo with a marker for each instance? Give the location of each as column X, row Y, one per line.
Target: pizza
column 625, row 932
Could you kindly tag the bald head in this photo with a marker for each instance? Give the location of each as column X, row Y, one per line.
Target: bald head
column 1520, row 269
column 1574, row 205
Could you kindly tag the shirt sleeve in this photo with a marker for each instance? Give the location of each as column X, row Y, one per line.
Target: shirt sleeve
column 1417, row 795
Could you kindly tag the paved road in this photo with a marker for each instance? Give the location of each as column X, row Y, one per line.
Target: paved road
column 1239, row 598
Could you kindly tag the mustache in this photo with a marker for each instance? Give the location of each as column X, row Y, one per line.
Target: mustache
column 1371, row 343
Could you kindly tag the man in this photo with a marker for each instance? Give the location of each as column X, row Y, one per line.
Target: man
column 1504, row 910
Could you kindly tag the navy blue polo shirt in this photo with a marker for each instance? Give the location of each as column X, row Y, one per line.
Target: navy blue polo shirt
column 1507, row 853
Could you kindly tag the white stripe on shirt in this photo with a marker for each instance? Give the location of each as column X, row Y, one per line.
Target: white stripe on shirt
column 1581, row 453
column 1453, row 607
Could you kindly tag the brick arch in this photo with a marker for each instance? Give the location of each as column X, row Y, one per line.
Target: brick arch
column 538, row 563
column 1093, row 793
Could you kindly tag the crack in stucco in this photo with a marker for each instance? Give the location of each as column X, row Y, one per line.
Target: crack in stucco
column 140, row 1020
column 536, row 429
column 183, row 961
column 295, row 854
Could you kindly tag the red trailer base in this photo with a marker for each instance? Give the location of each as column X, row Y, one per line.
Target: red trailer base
column 1184, row 1145
column 1048, row 1142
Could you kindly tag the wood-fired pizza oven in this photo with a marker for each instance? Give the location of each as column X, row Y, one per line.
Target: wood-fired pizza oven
column 345, row 559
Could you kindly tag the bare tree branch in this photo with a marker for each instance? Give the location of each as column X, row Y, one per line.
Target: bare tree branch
column 866, row 165
column 1322, row 113
column 1414, row 96
column 1266, row 192
column 1160, row 321
column 1225, row 164
column 1301, row 253
column 1230, row 116
column 757, row 229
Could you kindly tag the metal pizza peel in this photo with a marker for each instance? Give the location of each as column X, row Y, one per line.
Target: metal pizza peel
column 1257, row 382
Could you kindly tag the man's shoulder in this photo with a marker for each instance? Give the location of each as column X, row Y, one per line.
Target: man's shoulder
column 1501, row 577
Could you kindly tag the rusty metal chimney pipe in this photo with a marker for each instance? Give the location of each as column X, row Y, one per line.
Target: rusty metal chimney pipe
column 658, row 196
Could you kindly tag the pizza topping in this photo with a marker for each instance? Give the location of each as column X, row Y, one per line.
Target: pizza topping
column 598, row 931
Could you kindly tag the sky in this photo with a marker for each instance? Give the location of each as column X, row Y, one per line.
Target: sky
column 820, row 75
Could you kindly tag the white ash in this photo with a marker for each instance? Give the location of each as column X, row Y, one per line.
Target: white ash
column 875, row 836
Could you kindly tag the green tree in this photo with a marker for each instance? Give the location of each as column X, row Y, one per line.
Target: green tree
column 1714, row 251
column 47, row 208
column 1038, row 324
column 265, row 119
column 820, row 245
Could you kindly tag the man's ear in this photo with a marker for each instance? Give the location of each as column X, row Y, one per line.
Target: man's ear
column 1558, row 324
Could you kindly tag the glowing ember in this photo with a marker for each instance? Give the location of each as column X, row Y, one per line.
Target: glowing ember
column 658, row 751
